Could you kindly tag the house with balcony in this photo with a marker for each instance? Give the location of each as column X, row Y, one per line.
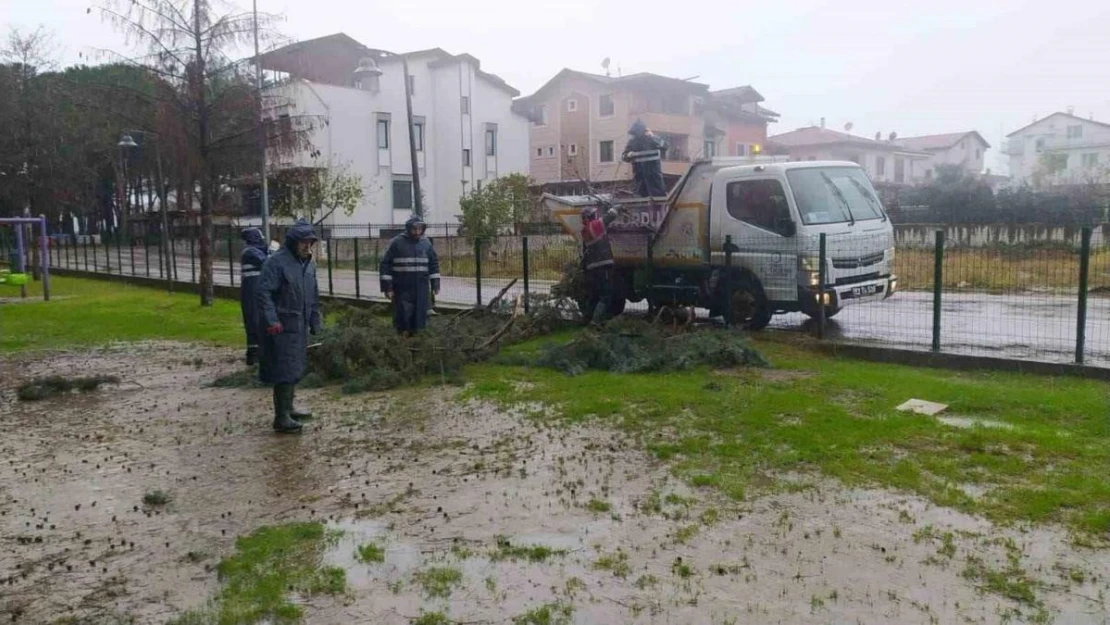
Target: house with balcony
column 580, row 121
column 965, row 150
column 465, row 131
column 1059, row 149
column 884, row 161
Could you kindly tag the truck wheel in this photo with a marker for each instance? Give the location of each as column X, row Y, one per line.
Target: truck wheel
column 750, row 308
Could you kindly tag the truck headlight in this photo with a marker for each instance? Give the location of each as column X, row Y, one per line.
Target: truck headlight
column 809, row 263
column 812, row 278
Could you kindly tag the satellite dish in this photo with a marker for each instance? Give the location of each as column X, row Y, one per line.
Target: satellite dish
column 892, row 136
column 605, row 65
column 848, row 127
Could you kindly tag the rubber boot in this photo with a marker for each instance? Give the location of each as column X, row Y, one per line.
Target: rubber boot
column 252, row 355
column 599, row 313
column 297, row 413
column 283, row 406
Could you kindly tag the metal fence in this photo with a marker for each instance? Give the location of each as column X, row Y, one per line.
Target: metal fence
column 1036, row 300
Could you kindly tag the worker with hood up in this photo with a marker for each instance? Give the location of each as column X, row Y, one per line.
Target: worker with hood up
column 254, row 254
column 410, row 266
column 289, row 303
column 597, row 263
column 645, row 151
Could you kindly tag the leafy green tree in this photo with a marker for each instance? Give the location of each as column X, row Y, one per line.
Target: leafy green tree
column 317, row 193
column 491, row 210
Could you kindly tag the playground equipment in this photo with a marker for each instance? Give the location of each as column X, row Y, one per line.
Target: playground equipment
column 16, row 274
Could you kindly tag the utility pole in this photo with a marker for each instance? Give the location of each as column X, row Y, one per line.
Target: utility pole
column 261, row 130
column 417, row 204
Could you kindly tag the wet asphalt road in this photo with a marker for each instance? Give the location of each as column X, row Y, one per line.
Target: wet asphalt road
column 1022, row 326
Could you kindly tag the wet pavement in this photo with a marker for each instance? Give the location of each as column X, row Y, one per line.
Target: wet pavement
column 1023, row 326
column 442, row 482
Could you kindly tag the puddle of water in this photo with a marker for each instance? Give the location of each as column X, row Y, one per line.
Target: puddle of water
column 400, row 558
column 971, row 422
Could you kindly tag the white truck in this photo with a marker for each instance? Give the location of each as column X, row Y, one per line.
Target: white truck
column 753, row 230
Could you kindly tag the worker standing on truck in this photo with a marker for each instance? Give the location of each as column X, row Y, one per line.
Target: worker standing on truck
column 409, row 274
column 597, row 263
column 250, row 268
column 645, row 151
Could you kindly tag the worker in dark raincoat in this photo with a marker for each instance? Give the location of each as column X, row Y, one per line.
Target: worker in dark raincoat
column 597, row 263
column 289, row 303
column 645, row 151
column 254, row 254
column 410, row 266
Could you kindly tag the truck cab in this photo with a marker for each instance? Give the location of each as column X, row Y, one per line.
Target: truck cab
column 744, row 238
column 775, row 215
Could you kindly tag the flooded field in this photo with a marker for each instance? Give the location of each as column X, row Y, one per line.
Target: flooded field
column 117, row 506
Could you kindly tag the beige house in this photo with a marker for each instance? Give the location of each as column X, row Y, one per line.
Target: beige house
column 580, row 121
column 884, row 161
column 963, row 149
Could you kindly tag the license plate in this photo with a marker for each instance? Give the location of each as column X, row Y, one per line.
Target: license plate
column 865, row 290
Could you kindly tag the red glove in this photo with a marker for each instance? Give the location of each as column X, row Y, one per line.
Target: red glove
column 275, row 329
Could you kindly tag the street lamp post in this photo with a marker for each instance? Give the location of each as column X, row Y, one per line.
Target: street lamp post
column 126, row 142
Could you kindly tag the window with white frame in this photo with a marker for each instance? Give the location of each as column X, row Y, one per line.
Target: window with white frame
column 418, row 135
column 572, row 149
column 741, row 149
column 539, row 151
column 710, row 149
column 402, row 193
column 466, row 157
column 466, row 105
column 880, row 166
column 1075, row 132
column 572, row 105
column 1090, row 161
column 383, row 134
column 605, row 151
column 491, row 142
column 551, row 150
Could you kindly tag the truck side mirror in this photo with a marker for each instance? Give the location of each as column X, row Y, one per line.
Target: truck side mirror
column 787, row 227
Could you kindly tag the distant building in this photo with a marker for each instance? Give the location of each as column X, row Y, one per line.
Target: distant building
column 580, row 121
column 884, row 161
column 465, row 130
column 1059, row 149
column 963, row 149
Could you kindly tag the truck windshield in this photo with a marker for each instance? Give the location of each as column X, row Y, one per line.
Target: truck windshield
column 829, row 195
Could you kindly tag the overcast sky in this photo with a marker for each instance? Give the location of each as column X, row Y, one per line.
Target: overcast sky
column 941, row 66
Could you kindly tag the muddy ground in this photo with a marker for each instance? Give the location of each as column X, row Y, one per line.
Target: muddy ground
column 436, row 480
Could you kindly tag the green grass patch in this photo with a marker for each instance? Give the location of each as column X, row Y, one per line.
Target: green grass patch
column 157, row 498
column 267, row 566
column 370, row 553
column 597, row 505
column 836, row 417
column 506, row 550
column 1011, row 582
column 616, row 563
column 547, row 614
column 432, row 618
column 89, row 313
column 438, row 581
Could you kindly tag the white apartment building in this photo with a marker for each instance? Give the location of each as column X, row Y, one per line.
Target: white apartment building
column 1059, row 149
column 465, row 130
